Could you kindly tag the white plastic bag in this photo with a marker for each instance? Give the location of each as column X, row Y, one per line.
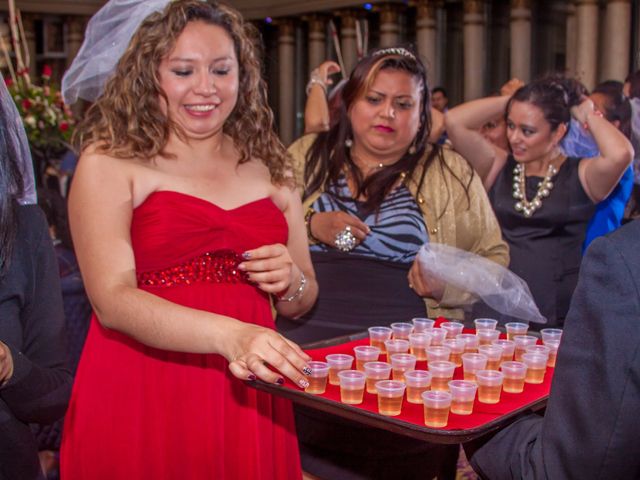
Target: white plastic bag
column 495, row 285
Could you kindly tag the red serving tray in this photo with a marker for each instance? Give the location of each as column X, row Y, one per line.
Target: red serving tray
column 461, row 428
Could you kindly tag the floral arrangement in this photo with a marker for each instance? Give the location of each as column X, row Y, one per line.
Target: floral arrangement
column 47, row 120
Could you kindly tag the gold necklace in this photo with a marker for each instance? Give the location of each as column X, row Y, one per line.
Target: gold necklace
column 545, row 186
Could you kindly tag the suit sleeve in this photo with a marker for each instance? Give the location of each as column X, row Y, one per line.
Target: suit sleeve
column 590, row 428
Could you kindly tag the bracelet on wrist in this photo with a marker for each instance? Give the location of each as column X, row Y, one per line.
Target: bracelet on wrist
column 316, row 79
column 298, row 293
column 307, row 222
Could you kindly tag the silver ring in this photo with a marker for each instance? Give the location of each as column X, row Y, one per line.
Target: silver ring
column 345, row 240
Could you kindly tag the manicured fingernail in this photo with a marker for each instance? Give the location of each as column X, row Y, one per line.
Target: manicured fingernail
column 280, row 381
column 246, row 255
column 303, row 383
column 242, row 266
column 306, row 371
column 251, row 377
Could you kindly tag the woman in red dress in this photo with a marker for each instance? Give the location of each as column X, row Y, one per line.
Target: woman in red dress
column 186, row 224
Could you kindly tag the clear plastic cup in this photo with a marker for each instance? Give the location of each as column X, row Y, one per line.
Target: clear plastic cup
column 379, row 335
column 400, row 363
column 471, row 341
column 417, row 381
column 417, row 344
column 396, row 346
column 436, row 408
column 522, row 342
column 437, row 336
column 338, row 362
column 489, row 385
column 463, row 393
column 494, row 355
column 486, row 337
column 441, row 373
column 364, row 354
column 536, row 367
column 390, row 395
column 508, row 347
column 514, row 375
column 351, row 386
column 551, row 334
column 516, row 328
column 553, row 352
column 471, row 363
column 485, row 324
column 456, row 346
column 401, row 330
column 422, row 324
column 435, row 354
column 452, row 328
column 318, row 377
column 376, row 371
column 541, row 349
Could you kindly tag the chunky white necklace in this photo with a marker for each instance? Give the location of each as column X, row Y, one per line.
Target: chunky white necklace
column 545, row 186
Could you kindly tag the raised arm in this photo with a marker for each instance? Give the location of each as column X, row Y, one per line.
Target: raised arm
column 316, row 110
column 599, row 175
column 100, row 210
column 463, row 125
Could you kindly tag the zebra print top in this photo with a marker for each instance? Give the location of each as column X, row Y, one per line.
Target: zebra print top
column 397, row 229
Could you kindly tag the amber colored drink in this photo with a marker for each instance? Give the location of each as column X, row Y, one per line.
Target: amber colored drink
column 378, row 343
column 494, row 364
column 397, row 375
column 518, row 352
column 390, row 406
column 470, row 376
column 462, row 407
column 535, row 375
column 551, row 362
column 513, row 385
column 419, row 352
column 317, row 385
column 507, row 357
column 489, row 393
column 414, row 394
column 333, row 376
column 371, row 384
column 351, row 396
column 440, row 383
column 360, row 364
column 436, row 417
column 456, row 358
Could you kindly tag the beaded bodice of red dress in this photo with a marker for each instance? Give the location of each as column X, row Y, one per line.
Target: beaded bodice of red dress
column 140, row 412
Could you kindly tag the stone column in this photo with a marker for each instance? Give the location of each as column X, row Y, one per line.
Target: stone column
column 617, row 35
column 348, row 40
column 317, row 40
column 75, row 36
column 286, row 57
column 474, row 49
column 426, row 34
column 587, row 42
column 389, row 28
column 521, row 39
column 28, row 23
column 571, row 44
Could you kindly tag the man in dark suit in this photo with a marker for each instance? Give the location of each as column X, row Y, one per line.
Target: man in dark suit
column 591, row 428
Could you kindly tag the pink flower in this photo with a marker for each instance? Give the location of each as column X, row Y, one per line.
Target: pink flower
column 8, row 82
column 46, row 71
column 26, row 104
column 64, row 126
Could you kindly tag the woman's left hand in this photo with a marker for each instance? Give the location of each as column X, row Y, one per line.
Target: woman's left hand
column 424, row 286
column 6, row 364
column 582, row 111
column 271, row 267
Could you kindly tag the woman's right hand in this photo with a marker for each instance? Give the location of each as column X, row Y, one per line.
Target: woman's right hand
column 6, row 364
column 325, row 226
column 509, row 88
column 252, row 349
column 326, row 69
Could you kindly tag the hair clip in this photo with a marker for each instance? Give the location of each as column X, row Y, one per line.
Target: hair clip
column 395, row 51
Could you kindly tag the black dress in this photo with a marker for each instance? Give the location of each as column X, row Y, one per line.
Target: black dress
column 546, row 248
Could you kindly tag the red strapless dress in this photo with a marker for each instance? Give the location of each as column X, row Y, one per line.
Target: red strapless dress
column 141, row 413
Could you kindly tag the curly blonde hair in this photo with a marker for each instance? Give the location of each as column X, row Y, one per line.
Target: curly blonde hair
column 127, row 120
